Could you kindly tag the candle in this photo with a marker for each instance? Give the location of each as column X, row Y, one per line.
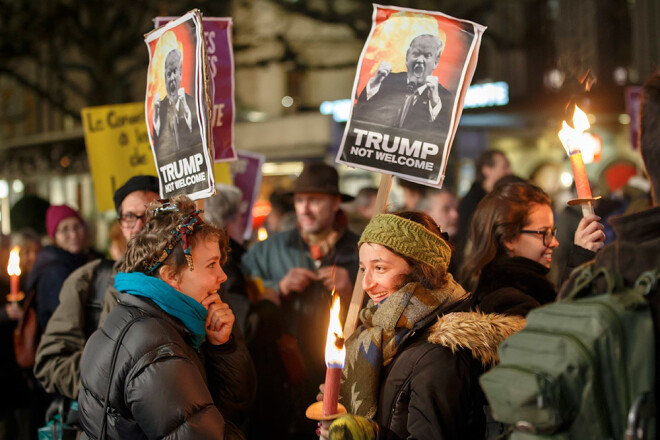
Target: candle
column 14, row 270
column 572, row 139
column 335, row 354
column 580, row 175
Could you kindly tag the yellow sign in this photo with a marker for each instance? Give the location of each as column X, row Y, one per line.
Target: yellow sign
column 117, row 148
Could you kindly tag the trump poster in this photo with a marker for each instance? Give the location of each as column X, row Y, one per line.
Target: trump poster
column 408, row 93
column 217, row 37
column 177, row 108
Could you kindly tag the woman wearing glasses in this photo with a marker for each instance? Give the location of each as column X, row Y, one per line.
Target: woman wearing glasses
column 512, row 237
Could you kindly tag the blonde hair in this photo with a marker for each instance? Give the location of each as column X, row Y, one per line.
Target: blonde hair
column 156, row 234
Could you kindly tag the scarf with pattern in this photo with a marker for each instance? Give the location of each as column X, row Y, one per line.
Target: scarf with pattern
column 374, row 344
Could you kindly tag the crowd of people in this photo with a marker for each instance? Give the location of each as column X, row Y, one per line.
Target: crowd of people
column 191, row 332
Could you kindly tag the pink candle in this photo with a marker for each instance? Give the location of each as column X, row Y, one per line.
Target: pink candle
column 580, row 175
column 331, row 390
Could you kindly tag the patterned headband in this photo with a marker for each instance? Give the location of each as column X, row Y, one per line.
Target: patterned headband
column 182, row 232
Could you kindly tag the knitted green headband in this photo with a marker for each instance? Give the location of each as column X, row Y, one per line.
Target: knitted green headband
column 407, row 238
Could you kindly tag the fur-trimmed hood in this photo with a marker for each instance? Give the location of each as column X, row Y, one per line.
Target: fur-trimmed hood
column 475, row 331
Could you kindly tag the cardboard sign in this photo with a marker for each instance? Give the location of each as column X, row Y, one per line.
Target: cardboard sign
column 178, row 108
column 217, row 36
column 408, row 93
column 118, row 148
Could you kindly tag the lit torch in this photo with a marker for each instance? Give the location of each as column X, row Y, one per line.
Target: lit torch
column 573, row 139
column 335, row 354
column 14, row 270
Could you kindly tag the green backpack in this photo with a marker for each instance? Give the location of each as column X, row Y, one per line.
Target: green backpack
column 581, row 364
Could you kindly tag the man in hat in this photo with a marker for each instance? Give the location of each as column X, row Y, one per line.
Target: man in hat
column 298, row 269
column 57, row 364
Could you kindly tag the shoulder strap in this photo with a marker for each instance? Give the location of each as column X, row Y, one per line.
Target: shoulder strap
column 112, row 371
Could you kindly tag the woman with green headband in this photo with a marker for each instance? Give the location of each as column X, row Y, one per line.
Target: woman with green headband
column 164, row 363
column 412, row 365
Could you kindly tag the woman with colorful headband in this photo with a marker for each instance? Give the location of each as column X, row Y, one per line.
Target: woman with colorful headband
column 412, row 365
column 164, row 363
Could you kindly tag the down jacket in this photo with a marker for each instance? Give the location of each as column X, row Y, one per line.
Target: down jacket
column 430, row 390
column 160, row 386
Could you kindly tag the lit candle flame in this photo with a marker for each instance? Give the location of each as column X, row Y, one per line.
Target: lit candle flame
column 14, row 268
column 573, row 138
column 335, row 351
column 262, row 234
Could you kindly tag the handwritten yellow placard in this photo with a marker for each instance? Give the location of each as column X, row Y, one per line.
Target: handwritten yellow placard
column 117, row 148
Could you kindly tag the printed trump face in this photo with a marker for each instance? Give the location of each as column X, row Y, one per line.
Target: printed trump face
column 173, row 73
column 422, row 58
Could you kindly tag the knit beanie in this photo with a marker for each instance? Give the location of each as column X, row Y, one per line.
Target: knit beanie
column 408, row 238
column 57, row 213
column 135, row 183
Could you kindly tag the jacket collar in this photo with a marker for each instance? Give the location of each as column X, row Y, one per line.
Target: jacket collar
column 477, row 332
column 150, row 308
column 638, row 227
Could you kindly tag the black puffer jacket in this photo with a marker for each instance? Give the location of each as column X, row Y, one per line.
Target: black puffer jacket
column 161, row 387
column 431, row 389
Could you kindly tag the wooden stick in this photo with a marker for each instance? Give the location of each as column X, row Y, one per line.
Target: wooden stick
column 358, row 293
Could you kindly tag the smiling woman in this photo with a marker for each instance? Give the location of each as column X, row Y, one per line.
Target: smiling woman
column 512, row 238
column 179, row 371
column 416, row 324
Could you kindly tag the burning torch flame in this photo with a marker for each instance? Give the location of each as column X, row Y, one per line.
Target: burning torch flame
column 13, row 268
column 572, row 138
column 335, row 351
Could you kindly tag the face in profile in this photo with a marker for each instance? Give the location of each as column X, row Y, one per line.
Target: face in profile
column 205, row 280
column 172, row 73
column 383, row 271
column 422, row 58
column 70, row 235
column 531, row 245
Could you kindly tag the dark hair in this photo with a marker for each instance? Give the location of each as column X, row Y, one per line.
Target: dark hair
column 364, row 196
column 499, row 217
column 157, row 232
column 485, row 159
column 427, row 276
column 649, row 130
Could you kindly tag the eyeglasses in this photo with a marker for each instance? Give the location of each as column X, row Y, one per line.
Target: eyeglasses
column 129, row 220
column 548, row 234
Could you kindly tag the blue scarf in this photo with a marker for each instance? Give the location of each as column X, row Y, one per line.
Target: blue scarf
column 173, row 302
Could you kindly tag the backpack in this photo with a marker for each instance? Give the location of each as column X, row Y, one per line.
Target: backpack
column 581, row 364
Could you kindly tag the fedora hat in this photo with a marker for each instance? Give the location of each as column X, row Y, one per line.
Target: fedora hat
column 318, row 177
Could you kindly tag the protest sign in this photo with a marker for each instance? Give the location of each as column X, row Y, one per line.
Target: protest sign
column 408, row 93
column 117, row 148
column 246, row 172
column 217, row 36
column 178, row 108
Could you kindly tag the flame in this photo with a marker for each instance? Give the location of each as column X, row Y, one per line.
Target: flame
column 335, row 351
column 14, row 268
column 573, row 138
column 262, row 234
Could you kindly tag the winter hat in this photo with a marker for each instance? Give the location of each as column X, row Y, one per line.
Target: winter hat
column 319, row 177
column 57, row 213
column 135, row 183
column 408, row 238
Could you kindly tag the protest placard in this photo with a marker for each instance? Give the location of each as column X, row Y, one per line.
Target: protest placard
column 408, row 93
column 217, row 36
column 178, row 108
column 246, row 173
column 117, row 146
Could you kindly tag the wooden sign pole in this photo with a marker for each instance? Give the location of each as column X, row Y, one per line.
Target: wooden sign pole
column 358, row 293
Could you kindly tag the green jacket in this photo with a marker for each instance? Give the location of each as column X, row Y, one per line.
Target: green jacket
column 57, row 364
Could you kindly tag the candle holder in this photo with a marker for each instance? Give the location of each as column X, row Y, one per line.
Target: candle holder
column 585, row 203
column 315, row 412
column 15, row 297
